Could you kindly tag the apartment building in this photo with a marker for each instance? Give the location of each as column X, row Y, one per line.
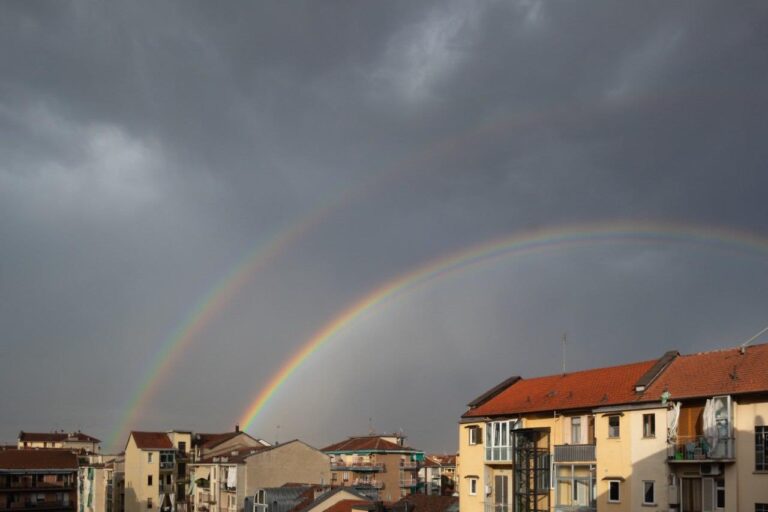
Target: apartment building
column 687, row 433
column 42, row 479
column 223, row 480
column 76, row 441
column 155, row 471
column 440, row 474
column 380, row 462
column 101, row 485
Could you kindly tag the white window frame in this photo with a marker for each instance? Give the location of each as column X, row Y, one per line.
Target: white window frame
column 473, row 435
column 618, row 427
column 651, row 435
column 576, row 428
column 472, row 486
column 618, row 490
column 653, row 490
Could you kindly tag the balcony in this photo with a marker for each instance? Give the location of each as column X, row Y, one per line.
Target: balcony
column 408, row 465
column 46, row 505
column 497, row 507
column 357, row 466
column 166, row 465
column 410, row 482
column 575, row 453
column 696, row 448
column 374, row 484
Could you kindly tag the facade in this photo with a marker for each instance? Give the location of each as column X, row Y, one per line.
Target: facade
column 687, row 433
column 222, row 481
column 155, row 471
column 38, row 480
column 76, row 441
column 101, row 485
column 440, row 474
column 379, row 462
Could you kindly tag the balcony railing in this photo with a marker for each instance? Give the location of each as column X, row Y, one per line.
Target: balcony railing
column 368, row 483
column 497, row 507
column 166, row 464
column 46, row 505
column 340, row 465
column 410, row 482
column 410, row 465
column 35, row 486
column 697, row 448
column 575, row 453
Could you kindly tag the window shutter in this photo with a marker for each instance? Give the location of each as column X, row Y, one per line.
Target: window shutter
column 707, row 494
column 479, row 437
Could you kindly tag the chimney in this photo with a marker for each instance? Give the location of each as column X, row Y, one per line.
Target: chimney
column 237, row 428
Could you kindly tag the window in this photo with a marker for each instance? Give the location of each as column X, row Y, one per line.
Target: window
column 761, row 448
column 59, row 478
column 649, row 495
column 473, row 486
column 475, row 434
column 761, row 507
column 149, row 458
column 720, row 493
column 649, row 425
column 168, row 479
column 182, row 446
column 149, row 480
column 345, row 476
column 576, row 430
column 149, row 502
column 613, row 426
column 498, row 439
column 613, row 491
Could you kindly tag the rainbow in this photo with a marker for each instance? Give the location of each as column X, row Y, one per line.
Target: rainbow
column 514, row 245
column 226, row 288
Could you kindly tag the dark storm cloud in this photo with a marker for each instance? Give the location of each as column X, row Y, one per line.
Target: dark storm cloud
column 145, row 148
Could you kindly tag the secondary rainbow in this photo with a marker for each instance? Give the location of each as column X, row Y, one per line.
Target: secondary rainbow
column 513, row 245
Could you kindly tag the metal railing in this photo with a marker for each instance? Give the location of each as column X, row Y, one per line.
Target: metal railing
column 407, row 464
column 575, row 453
column 697, row 447
column 357, row 466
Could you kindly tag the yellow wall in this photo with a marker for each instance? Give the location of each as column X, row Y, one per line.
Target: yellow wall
column 750, row 486
column 137, row 468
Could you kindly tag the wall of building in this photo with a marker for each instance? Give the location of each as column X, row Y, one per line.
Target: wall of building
column 648, row 458
column 472, row 464
column 614, row 460
column 293, row 462
column 137, row 468
column 749, row 486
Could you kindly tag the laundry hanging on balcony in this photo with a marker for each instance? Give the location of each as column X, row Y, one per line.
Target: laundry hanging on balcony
column 673, row 419
column 232, row 477
column 709, row 425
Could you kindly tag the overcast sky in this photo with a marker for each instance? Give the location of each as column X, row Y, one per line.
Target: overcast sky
column 147, row 148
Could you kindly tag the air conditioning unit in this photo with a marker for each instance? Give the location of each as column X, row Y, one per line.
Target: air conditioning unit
column 709, row 469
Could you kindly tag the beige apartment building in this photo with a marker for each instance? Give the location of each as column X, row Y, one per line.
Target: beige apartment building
column 684, row 433
column 223, row 480
column 155, row 475
column 380, row 462
column 101, row 485
column 75, row 441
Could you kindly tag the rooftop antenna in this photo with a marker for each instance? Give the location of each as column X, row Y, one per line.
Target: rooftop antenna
column 743, row 346
column 565, row 336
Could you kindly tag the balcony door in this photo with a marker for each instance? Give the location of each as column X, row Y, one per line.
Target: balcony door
column 691, row 495
column 501, row 493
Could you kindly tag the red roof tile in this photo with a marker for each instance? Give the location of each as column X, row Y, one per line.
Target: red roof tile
column 427, row 503
column 720, row 372
column 38, row 459
column 152, row 440
column 346, row 505
column 577, row 390
column 365, row 444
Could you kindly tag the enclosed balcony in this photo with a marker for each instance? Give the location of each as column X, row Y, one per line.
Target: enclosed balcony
column 359, row 465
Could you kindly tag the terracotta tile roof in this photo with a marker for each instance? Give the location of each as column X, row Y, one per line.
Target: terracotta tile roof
column 347, row 505
column 445, row 460
column 720, row 372
column 37, row 459
column 367, row 444
column 577, row 390
column 56, row 437
column 242, row 453
column 426, row 503
column 152, row 440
